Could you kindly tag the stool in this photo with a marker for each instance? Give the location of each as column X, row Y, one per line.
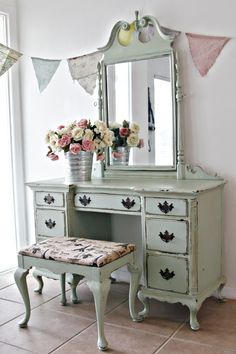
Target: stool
column 95, row 260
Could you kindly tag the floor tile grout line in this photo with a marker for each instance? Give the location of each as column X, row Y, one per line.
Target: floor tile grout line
column 68, row 340
column 169, row 338
column 9, row 300
column 16, row 346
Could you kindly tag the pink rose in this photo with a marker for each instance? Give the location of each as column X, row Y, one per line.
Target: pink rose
column 87, row 145
column 64, row 141
column 53, row 156
column 101, row 157
column 60, row 127
column 75, row 148
column 140, row 144
column 124, row 132
column 83, row 123
column 116, row 154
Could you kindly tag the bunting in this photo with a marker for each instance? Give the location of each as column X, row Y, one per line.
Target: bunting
column 84, row 69
column 8, row 57
column 205, row 50
column 44, row 71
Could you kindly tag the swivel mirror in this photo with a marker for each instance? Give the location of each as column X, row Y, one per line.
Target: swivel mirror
column 139, row 96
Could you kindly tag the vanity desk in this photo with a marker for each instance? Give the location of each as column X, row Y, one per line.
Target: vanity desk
column 181, row 229
column 170, row 210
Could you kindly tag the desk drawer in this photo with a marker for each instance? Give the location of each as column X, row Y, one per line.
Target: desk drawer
column 54, row 199
column 167, row 273
column 107, row 201
column 159, row 206
column 50, row 222
column 167, row 235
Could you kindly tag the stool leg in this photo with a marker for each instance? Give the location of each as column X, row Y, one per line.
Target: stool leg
column 135, row 274
column 63, row 289
column 39, row 279
column 20, row 279
column 74, row 280
column 100, row 290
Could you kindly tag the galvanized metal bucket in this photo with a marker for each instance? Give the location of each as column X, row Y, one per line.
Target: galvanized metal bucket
column 120, row 156
column 78, row 167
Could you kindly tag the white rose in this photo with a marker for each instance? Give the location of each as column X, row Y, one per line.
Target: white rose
column 77, row 133
column 48, row 136
column 100, row 125
column 133, row 139
column 135, row 128
column 107, row 139
column 88, row 134
column 54, row 143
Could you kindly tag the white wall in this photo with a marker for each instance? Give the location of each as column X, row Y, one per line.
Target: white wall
column 67, row 28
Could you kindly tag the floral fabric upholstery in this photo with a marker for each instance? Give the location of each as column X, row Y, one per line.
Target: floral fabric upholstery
column 78, row 250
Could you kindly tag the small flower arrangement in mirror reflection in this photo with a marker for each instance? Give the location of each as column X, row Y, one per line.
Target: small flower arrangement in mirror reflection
column 79, row 136
column 125, row 135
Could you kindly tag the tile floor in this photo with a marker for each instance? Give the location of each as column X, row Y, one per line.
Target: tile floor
column 71, row 329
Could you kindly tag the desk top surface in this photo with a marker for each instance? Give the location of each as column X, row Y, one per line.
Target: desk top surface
column 135, row 184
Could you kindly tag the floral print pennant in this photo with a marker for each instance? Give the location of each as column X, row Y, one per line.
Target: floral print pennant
column 8, row 57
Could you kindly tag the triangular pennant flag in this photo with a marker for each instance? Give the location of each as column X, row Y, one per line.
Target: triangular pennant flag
column 44, row 71
column 8, row 57
column 205, row 50
column 89, row 83
column 84, row 70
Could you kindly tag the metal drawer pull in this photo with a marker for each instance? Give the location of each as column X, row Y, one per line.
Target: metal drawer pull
column 128, row 203
column 166, row 237
column 50, row 224
column 85, row 201
column 165, row 207
column 166, row 274
column 49, row 199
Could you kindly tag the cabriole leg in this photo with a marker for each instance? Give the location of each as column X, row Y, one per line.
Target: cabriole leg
column 135, row 274
column 219, row 296
column 145, row 302
column 39, row 279
column 20, row 279
column 100, row 292
column 73, row 282
column 194, row 324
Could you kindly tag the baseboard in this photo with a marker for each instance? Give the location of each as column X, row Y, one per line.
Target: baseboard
column 229, row 292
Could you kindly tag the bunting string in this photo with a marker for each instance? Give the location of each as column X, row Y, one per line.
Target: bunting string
column 83, row 69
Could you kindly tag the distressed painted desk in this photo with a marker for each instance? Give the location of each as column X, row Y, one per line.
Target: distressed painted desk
column 176, row 225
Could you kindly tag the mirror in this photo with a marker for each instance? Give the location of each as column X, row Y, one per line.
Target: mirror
column 139, row 96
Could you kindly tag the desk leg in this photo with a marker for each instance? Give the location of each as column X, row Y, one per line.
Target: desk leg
column 20, row 279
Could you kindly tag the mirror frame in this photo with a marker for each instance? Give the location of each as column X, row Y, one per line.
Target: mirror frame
column 159, row 45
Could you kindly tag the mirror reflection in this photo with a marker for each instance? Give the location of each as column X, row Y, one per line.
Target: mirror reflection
column 140, row 111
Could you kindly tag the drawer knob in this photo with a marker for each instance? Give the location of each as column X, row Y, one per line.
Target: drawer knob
column 165, row 207
column 84, row 200
column 49, row 199
column 50, row 224
column 128, row 203
column 166, row 274
column 166, row 237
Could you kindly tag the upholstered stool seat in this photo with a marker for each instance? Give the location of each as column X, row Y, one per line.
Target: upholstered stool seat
column 93, row 259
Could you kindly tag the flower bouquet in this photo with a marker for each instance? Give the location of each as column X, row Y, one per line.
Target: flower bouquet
column 79, row 136
column 79, row 140
column 126, row 135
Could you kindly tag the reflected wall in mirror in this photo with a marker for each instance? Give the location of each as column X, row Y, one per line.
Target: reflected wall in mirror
column 141, row 92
